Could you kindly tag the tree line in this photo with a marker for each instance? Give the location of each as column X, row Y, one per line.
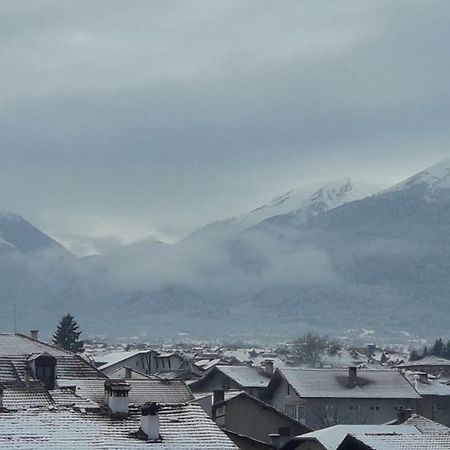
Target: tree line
column 439, row 348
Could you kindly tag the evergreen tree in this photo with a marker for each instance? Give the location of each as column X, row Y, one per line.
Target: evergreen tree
column 425, row 352
column 446, row 353
column 438, row 348
column 414, row 356
column 67, row 335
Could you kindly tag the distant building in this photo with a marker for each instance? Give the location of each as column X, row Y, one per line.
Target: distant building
column 432, row 365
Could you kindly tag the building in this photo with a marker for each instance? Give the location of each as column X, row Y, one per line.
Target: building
column 324, row 397
column 242, row 378
column 249, row 417
column 435, row 396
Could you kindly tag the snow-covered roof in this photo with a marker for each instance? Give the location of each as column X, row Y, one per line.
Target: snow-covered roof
column 432, row 386
column 427, row 361
column 245, row 376
column 141, row 390
column 396, row 441
column 15, row 349
column 334, row 383
column 109, row 359
column 331, row 437
column 181, row 427
column 424, row 425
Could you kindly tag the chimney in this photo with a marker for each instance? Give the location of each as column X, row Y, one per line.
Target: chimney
column 150, row 421
column 116, row 393
column 275, row 440
column 28, row 372
column 423, row 377
column 268, row 366
column 34, row 334
column 352, row 377
column 127, row 373
column 218, row 396
column 403, row 415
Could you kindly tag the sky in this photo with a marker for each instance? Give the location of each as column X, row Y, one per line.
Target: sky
column 126, row 120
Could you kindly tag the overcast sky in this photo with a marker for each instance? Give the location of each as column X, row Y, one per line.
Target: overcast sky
column 120, row 120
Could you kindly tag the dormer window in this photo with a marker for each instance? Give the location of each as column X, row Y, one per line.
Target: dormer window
column 43, row 368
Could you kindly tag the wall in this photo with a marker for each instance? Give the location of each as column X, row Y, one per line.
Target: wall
column 249, row 418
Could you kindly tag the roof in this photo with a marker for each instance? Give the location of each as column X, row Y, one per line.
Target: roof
column 21, row 396
column 109, row 359
column 424, row 425
column 246, row 376
column 141, row 391
column 333, row 383
column 181, row 427
column 395, row 441
column 15, row 349
column 427, row 361
column 331, row 437
column 432, row 386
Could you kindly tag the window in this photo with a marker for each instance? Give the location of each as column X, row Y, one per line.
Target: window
column 354, row 408
column 291, row 411
column 296, row 412
column 331, row 413
column 374, row 408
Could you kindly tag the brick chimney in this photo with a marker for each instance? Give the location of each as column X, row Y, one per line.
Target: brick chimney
column 352, row 376
column 128, row 373
column 34, row 334
column 116, row 396
column 150, row 421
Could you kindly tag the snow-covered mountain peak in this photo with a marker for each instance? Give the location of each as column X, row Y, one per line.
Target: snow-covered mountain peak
column 307, row 202
column 429, row 183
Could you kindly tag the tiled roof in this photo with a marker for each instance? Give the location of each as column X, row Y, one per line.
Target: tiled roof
column 245, row 376
column 424, row 425
column 333, row 383
column 182, row 427
column 394, row 441
column 16, row 348
column 21, row 396
column 331, row 437
column 141, row 391
column 66, row 397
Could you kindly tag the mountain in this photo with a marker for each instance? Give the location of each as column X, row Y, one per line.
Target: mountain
column 329, row 260
column 301, row 205
column 389, row 254
column 18, row 235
